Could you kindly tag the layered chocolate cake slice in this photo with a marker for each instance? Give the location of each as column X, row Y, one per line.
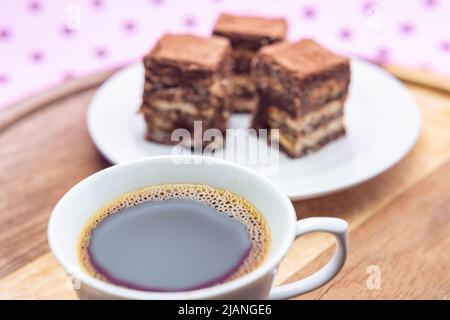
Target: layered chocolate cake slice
column 302, row 88
column 247, row 35
column 185, row 82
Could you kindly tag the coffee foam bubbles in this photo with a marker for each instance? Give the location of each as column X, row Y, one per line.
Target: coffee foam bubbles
column 222, row 201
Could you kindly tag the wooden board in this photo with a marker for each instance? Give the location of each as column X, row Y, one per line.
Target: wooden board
column 399, row 221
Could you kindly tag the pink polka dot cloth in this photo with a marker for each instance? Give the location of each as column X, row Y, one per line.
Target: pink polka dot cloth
column 44, row 42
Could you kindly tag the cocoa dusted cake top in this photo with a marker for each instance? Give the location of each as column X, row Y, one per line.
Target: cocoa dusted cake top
column 195, row 51
column 303, row 58
column 274, row 28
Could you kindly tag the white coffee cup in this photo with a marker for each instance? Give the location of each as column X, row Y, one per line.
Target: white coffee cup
column 84, row 199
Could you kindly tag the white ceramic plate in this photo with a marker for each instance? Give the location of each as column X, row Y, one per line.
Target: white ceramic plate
column 382, row 121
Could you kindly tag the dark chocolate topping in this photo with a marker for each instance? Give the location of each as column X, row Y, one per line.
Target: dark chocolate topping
column 273, row 28
column 304, row 58
column 193, row 52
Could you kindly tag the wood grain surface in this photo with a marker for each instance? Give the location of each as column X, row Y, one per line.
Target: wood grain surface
column 399, row 221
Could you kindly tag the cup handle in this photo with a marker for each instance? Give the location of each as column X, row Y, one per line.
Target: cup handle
column 339, row 229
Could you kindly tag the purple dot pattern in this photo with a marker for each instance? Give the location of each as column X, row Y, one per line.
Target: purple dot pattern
column 309, row 13
column 369, row 7
column 67, row 32
column 129, row 26
column 345, row 34
column 407, row 28
column 35, row 6
column 431, row 3
column 97, row 4
column 37, row 57
column 3, row 79
column 4, row 34
column 445, row 46
column 101, row 52
column 190, row 21
column 66, row 39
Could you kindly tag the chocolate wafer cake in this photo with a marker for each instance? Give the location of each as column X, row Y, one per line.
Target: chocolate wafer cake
column 186, row 81
column 302, row 88
column 247, row 35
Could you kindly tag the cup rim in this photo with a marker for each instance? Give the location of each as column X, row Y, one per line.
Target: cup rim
column 268, row 265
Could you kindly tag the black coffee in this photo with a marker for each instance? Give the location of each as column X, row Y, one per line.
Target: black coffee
column 174, row 238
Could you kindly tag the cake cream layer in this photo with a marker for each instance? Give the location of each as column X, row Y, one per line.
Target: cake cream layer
column 179, row 107
column 162, row 136
column 302, row 144
column 170, row 115
column 155, row 81
column 216, row 86
column 323, row 90
column 242, row 86
column 318, row 92
column 277, row 118
column 243, row 97
column 161, row 124
column 187, row 100
column 180, row 114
